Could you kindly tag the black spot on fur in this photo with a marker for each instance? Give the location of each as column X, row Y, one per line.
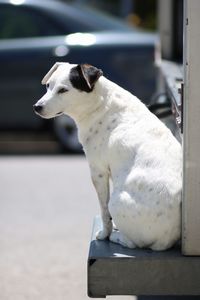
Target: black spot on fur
column 83, row 77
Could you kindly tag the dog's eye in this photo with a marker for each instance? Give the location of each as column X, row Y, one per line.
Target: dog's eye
column 47, row 86
column 62, row 90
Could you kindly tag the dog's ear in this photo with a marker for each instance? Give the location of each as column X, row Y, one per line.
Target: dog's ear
column 51, row 71
column 84, row 76
column 91, row 74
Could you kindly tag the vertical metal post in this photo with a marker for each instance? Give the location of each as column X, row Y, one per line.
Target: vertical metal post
column 191, row 130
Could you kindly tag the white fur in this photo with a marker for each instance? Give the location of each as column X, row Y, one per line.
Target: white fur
column 126, row 143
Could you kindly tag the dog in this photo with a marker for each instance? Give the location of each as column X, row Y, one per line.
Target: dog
column 127, row 144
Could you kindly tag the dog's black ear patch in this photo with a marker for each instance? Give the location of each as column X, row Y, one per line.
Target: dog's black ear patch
column 83, row 77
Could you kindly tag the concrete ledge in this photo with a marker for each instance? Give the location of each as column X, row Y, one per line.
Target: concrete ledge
column 116, row 270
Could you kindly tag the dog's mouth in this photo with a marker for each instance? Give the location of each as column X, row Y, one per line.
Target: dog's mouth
column 59, row 113
column 40, row 111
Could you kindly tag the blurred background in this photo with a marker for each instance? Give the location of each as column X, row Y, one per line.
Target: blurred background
column 117, row 36
column 47, row 201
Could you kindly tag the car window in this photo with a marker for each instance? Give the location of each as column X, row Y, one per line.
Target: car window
column 22, row 22
column 81, row 18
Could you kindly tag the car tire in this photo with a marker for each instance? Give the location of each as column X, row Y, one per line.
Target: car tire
column 66, row 133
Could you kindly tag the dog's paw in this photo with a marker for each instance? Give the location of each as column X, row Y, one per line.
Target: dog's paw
column 118, row 238
column 102, row 234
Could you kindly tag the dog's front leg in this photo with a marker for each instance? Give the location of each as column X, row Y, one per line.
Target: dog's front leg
column 101, row 183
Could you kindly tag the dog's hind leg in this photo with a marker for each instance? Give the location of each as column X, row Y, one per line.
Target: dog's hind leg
column 118, row 238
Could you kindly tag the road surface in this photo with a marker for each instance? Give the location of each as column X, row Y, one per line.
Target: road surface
column 47, row 205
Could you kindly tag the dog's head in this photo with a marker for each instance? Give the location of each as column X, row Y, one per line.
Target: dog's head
column 66, row 84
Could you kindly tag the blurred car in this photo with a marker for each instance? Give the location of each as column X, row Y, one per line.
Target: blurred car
column 34, row 34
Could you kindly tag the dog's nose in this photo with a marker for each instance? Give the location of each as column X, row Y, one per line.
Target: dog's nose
column 37, row 108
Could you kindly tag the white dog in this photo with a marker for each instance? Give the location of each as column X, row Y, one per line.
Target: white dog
column 123, row 141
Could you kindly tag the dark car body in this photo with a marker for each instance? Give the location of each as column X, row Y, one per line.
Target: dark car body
column 35, row 34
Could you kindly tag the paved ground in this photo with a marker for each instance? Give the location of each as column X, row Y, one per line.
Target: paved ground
column 47, row 205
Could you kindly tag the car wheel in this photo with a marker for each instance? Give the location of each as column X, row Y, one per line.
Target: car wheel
column 66, row 133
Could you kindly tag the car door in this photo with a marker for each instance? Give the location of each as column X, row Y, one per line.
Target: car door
column 26, row 53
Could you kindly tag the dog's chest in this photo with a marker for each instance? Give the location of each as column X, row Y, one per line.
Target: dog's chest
column 96, row 139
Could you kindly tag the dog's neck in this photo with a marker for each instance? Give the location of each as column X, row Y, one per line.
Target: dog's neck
column 95, row 105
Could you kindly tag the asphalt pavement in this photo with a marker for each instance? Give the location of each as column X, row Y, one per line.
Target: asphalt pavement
column 47, row 205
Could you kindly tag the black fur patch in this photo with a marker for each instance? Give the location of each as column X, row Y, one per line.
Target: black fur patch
column 77, row 80
column 83, row 77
